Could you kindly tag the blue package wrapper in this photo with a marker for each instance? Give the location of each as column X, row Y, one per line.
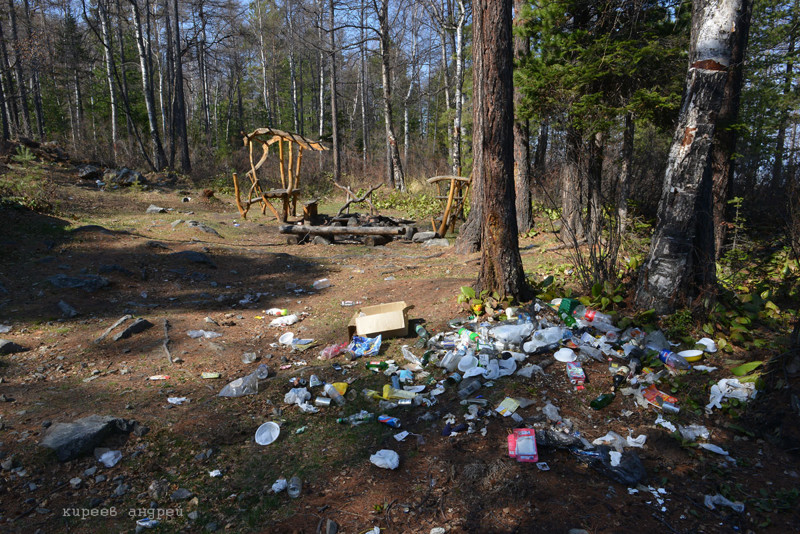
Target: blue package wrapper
column 365, row 346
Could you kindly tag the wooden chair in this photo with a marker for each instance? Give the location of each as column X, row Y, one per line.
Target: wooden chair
column 456, row 188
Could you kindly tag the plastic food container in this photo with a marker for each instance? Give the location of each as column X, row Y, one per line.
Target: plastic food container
column 267, row 433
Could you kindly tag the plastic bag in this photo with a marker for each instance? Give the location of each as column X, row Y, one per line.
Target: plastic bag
column 711, row 500
column 285, row 320
column 512, row 334
column 729, row 388
column 385, row 459
column 246, row 385
column 692, row 432
column 365, row 346
column 297, row 396
column 551, row 412
column 279, row 485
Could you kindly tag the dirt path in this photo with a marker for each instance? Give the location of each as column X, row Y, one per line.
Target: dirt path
column 192, row 279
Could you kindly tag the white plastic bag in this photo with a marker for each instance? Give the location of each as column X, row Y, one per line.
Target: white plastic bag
column 297, row 396
column 385, row 459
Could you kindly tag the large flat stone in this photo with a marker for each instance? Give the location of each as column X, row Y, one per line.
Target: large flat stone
column 9, row 347
column 71, row 440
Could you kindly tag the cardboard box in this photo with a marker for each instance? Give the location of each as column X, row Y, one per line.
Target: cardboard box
column 389, row 320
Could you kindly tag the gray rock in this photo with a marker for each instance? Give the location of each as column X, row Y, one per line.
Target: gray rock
column 139, row 325
column 320, row 240
column 193, row 257
column 67, row 310
column 175, row 223
column 71, row 440
column 157, row 244
column 193, row 516
column 152, row 208
column 99, row 478
column 75, row 482
column 181, row 494
column 89, row 172
column 127, row 176
column 9, row 347
column 158, row 490
column 90, row 472
column 202, row 227
column 121, row 490
column 87, row 282
column 436, row 243
column 9, row 464
column 419, row 237
column 93, row 228
column 212, row 527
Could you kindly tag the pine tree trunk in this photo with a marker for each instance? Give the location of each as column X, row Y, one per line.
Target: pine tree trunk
column 672, row 275
column 493, row 148
column 21, row 87
column 522, row 160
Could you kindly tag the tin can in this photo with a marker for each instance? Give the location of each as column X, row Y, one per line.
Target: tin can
column 322, row 401
column 404, row 402
column 454, row 378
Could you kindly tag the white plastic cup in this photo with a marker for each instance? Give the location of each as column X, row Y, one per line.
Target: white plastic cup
column 467, row 362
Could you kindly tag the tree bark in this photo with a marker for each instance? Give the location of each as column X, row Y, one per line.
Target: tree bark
column 21, row 87
column 112, row 89
column 493, row 148
column 458, row 89
column 179, row 104
column 724, row 147
column 522, row 160
column 395, row 176
column 676, row 271
column 159, row 158
column 572, row 229
column 337, row 164
column 625, row 171
column 596, row 148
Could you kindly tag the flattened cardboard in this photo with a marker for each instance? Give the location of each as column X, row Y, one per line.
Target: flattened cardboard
column 389, row 320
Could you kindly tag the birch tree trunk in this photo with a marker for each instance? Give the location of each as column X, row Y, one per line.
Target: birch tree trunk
column 493, row 117
column 395, row 177
column 337, row 164
column 34, row 76
column 179, row 106
column 112, row 89
column 676, row 271
column 458, row 95
column 159, row 158
column 724, row 147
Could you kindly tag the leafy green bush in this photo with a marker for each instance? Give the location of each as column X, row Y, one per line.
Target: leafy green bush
column 417, row 206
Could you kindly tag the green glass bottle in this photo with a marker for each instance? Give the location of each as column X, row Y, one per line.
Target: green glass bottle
column 603, row 400
column 565, row 308
column 377, row 366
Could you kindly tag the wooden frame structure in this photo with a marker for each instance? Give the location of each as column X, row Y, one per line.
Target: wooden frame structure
column 455, row 198
column 289, row 169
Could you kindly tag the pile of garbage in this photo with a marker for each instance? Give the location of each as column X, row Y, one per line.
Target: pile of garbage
column 457, row 366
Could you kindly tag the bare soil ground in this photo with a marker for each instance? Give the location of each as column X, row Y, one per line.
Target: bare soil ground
column 462, row 483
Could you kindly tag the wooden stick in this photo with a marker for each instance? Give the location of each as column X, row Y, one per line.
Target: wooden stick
column 280, row 157
column 242, row 210
column 353, row 199
column 443, row 226
column 289, row 170
column 165, row 344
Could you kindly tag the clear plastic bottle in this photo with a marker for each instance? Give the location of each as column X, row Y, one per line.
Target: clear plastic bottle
column 673, row 360
column 357, row 418
column 295, row 487
column 591, row 316
column 334, row 394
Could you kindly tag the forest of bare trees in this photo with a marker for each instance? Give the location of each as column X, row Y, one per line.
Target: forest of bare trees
column 169, row 84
